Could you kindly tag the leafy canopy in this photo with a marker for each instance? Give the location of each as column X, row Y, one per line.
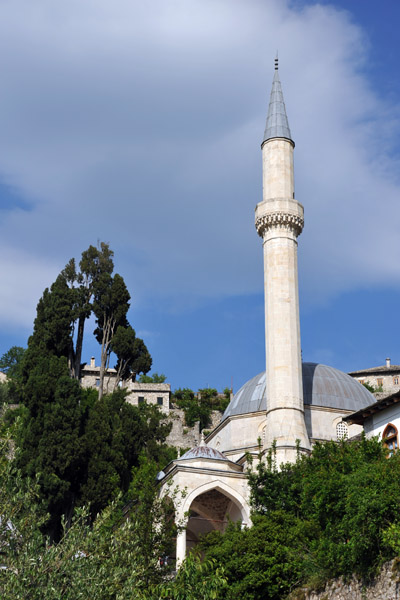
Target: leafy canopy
column 332, row 514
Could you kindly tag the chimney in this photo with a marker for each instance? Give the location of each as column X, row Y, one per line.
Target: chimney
column 388, row 363
column 92, row 363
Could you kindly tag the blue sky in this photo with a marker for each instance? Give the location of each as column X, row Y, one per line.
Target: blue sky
column 139, row 123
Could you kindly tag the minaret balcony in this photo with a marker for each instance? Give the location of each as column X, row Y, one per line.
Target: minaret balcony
column 279, row 213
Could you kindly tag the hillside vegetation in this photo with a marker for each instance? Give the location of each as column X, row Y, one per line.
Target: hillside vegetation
column 334, row 513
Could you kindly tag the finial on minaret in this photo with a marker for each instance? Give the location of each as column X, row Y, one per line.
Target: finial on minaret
column 202, row 441
column 179, row 452
column 277, row 125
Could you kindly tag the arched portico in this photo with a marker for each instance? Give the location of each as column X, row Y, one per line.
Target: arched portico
column 213, row 491
column 209, row 507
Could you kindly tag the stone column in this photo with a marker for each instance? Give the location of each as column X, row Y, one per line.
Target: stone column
column 180, row 547
column 279, row 221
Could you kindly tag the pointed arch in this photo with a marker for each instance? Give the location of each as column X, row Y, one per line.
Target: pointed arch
column 236, row 497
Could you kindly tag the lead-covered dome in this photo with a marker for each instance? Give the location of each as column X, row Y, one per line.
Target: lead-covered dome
column 203, row 451
column 322, row 386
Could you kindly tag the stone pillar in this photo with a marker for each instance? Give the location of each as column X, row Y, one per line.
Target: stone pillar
column 180, row 547
column 279, row 221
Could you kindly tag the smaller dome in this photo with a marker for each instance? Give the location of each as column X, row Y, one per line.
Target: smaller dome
column 203, row 452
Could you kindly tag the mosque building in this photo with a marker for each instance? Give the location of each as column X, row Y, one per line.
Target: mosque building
column 292, row 404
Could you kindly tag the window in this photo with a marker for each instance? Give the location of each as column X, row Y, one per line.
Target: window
column 341, row 431
column 362, row 381
column 379, row 382
column 141, row 399
column 160, row 401
column 390, row 439
column 97, row 381
column 395, row 380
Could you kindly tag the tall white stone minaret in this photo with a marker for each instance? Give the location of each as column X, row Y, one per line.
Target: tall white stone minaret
column 279, row 221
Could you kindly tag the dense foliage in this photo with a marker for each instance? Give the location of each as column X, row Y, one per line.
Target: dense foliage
column 11, row 365
column 198, row 407
column 334, row 513
column 153, row 378
column 80, row 444
column 116, row 557
column 11, row 361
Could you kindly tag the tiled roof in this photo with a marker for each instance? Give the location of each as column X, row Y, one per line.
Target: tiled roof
column 382, row 369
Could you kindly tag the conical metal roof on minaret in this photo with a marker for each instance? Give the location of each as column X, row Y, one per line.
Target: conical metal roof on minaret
column 277, row 125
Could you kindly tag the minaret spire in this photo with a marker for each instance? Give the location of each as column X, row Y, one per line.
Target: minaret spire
column 279, row 221
column 277, row 125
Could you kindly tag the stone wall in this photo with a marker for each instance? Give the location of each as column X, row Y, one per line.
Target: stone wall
column 151, row 393
column 388, row 382
column 386, row 586
column 181, row 435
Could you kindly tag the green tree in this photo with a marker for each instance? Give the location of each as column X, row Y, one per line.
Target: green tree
column 116, row 434
column 11, row 362
column 211, row 398
column 199, row 407
column 196, row 580
column 4, row 393
column 264, row 561
column 193, row 408
column 132, row 354
column 349, row 492
column 110, row 306
column 49, row 439
column 95, row 264
column 114, row 557
column 371, row 388
column 153, row 378
column 52, row 329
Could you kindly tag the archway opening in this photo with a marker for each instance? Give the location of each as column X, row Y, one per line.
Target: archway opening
column 210, row 511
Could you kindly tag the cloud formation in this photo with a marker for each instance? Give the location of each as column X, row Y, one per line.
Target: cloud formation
column 139, row 123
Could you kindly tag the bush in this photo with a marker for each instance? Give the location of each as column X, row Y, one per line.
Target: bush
column 334, row 513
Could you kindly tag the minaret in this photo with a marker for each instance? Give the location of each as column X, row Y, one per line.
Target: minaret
column 279, row 221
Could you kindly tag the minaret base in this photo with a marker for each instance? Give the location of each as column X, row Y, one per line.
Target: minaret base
column 286, row 434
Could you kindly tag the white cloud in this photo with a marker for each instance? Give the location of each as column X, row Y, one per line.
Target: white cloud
column 139, row 123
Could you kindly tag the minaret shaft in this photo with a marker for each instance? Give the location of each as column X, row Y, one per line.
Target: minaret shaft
column 278, row 171
column 279, row 221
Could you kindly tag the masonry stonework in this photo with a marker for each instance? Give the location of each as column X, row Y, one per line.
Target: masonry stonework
column 386, row 586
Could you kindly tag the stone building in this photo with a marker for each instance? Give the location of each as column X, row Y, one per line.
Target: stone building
column 151, row 393
column 292, row 404
column 181, row 436
column 385, row 378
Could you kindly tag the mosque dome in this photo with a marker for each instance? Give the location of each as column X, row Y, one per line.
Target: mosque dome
column 322, row 386
column 203, row 452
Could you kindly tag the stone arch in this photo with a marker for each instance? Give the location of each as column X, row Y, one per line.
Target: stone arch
column 236, row 497
column 210, row 507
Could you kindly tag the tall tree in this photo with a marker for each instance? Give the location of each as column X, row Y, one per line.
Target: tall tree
column 53, row 326
column 95, row 264
column 115, row 435
column 54, row 442
column 110, row 306
column 11, row 362
column 132, row 354
column 50, row 438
